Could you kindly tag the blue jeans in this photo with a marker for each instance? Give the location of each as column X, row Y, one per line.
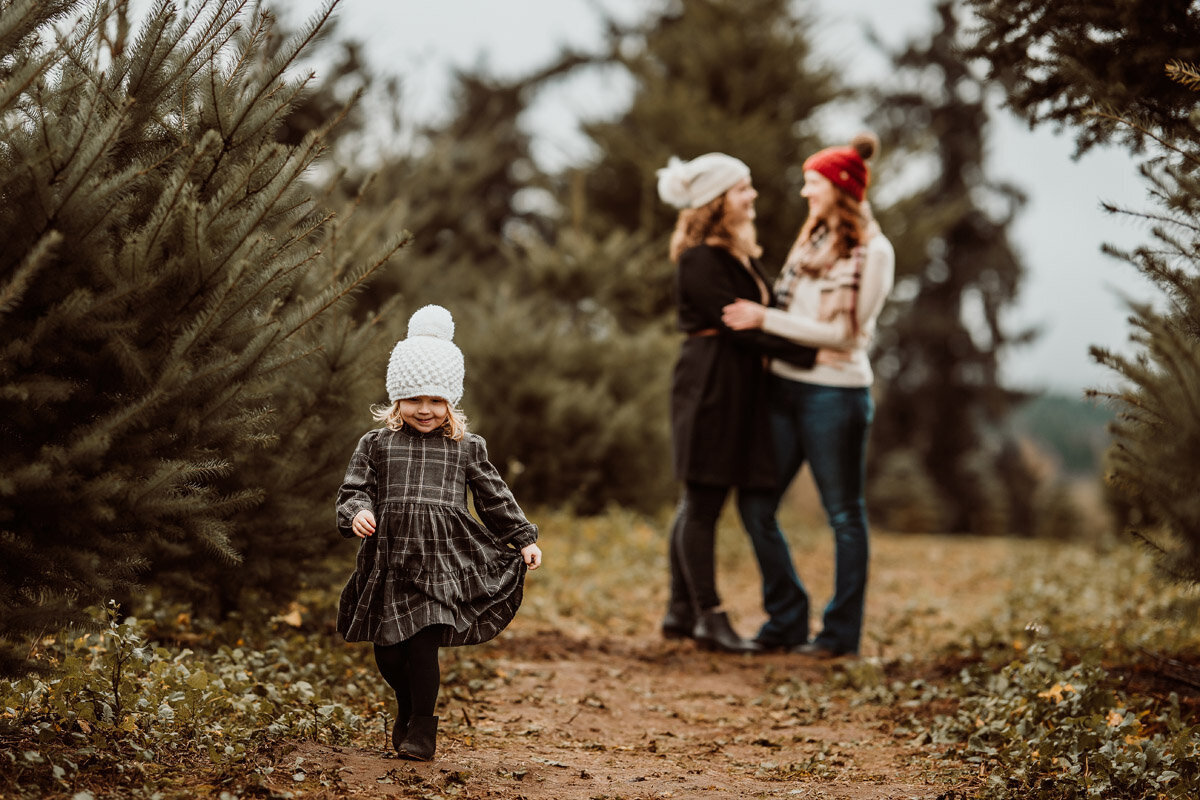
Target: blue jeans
column 827, row 427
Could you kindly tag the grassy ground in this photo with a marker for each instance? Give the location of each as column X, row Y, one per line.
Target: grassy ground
column 991, row 667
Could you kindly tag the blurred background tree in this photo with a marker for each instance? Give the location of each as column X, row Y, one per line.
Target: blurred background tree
column 1127, row 72
column 942, row 410
column 709, row 75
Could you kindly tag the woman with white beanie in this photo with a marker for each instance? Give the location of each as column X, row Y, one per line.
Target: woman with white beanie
column 719, row 440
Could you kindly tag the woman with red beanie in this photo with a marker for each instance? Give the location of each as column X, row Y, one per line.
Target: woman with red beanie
column 829, row 294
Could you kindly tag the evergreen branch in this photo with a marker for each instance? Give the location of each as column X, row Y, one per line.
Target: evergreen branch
column 279, row 275
column 258, row 36
column 287, row 362
column 218, row 26
column 96, row 144
column 1184, row 74
column 304, row 233
column 299, row 162
column 19, row 22
column 268, row 84
column 155, row 37
column 173, row 193
column 1152, row 216
column 37, row 257
column 74, row 49
column 347, row 289
column 1147, row 132
column 17, row 83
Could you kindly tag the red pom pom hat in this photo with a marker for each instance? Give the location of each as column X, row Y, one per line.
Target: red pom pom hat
column 844, row 167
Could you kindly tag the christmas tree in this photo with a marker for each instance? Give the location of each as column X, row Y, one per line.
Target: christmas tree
column 1126, row 72
column 167, row 289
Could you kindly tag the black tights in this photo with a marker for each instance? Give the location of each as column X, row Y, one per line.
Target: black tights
column 693, row 544
column 411, row 669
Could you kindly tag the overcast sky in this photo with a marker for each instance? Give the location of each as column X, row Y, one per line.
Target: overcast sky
column 1072, row 291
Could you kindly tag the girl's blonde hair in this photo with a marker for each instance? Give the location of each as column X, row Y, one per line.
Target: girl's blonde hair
column 708, row 224
column 455, row 426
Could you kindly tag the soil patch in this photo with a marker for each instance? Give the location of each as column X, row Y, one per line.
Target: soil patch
column 630, row 718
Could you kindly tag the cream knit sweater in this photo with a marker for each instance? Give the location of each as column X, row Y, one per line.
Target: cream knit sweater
column 801, row 321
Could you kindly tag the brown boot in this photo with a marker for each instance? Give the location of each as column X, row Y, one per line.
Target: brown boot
column 421, row 740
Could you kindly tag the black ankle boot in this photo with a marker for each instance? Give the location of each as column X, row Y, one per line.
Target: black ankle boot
column 679, row 623
column 400, row 728
column 421, row 740
column 713, row 632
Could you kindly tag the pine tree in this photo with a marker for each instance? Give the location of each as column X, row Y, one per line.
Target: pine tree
column 1064, row 60
column 1126, row 72
column 941, row 403
column 1156, row 436
column 161, row 286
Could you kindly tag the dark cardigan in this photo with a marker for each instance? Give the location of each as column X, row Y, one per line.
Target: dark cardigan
column 719, row 428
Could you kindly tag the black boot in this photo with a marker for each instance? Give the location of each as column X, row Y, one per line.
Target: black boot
column 403, row 715
column 713, row 632
column 679, row 623
column 421, row 740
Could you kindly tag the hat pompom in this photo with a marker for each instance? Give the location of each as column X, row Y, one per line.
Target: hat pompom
column 673, row 182
column 433, row 321
column 866, row 144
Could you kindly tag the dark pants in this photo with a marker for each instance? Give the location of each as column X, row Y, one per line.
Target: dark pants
column 411, row 669
column 827, row 427
column 692, row 552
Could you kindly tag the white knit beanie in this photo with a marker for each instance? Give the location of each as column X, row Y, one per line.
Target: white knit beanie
column 691, row 184
column 427, row 363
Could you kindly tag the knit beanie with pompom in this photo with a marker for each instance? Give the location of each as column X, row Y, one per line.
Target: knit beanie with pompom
column 846, row 167
column 427, row 363
column 691, row 184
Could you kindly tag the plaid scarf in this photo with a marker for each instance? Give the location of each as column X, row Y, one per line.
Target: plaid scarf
column 818, row 257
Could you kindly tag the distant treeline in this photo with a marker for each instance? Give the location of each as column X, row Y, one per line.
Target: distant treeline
column 1073, row 429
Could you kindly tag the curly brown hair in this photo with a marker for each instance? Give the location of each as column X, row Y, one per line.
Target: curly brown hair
column 709, row 225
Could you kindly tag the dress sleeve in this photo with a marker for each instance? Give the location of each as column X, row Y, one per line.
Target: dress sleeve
column 358, row 490
column 494, row 501
column 705, row 285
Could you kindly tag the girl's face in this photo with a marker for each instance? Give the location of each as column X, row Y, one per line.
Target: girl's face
column 739, row 203
column 424, row 413
column 819, row 191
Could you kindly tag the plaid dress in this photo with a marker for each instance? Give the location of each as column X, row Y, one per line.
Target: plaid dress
column 429, row 561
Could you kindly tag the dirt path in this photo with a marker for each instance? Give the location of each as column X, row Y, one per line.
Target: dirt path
column 639, row 718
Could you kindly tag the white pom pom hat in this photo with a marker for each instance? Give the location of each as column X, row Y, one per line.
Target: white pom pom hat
column 427, row 363
column 691, row 184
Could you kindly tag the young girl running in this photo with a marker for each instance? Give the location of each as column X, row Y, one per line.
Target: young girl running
column 428, row 575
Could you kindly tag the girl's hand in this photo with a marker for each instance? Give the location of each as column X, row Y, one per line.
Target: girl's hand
column 363, row 524
column 742, row 315
column 531, row 554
